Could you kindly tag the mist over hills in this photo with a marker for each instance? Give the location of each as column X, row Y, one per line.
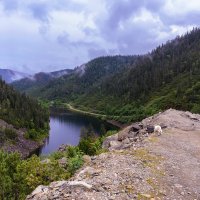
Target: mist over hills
column 10, row 76
column 38, row 80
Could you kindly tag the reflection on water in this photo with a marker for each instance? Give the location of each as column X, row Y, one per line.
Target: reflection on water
column 65, row 128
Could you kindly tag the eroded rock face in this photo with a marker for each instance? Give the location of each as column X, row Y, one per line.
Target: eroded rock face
column 25, row 147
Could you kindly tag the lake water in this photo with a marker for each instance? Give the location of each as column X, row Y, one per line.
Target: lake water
column 65, row 128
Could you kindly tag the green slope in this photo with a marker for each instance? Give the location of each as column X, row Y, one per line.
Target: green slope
column 22, row 111
column 135, row 86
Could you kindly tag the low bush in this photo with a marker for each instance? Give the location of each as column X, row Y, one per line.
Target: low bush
column 19, row 177
column 10, row 133
column 36, row 134
column 90, row 144
column 74, row 163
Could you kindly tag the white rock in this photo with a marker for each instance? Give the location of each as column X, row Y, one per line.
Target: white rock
column 38, row 190
column 80, row 183
column 115, row 143
column 87, row 158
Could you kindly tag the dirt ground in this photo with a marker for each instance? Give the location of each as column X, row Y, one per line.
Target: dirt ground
column 181, row 152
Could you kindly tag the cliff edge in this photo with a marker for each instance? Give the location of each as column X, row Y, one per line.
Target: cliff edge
column 138, row 164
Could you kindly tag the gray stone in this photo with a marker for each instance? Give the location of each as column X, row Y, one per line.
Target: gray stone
column 106, row 143
column 86, row 159
column 46, row 161
column 132, row 134
column 88, row 171
column 63, row 147
column 57, row 184
column 123, row 134
column 178, row 185
column 126, row 141
column 39, row 189
column 62, row 162
column 114, row 145
column 125, row 146
column 135, row 127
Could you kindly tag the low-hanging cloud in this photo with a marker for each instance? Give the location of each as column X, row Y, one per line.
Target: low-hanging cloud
column 50, row 35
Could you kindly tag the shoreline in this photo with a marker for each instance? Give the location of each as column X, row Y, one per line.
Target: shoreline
column 96, row 115
column 71, row 108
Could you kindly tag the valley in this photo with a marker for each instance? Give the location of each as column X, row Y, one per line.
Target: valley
column 133, row 86
column 131, row 92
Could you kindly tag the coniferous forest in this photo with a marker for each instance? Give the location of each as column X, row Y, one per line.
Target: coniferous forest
column 22, row 111
column 128, row 88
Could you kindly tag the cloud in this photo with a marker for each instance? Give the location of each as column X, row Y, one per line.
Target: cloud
column 39, row 11
column 10, row 5
column 49, row 35
column 138, row 26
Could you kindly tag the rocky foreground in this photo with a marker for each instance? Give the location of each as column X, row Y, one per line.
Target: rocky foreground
column 139, row 165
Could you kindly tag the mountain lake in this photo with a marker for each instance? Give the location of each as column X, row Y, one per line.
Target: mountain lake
column 65, row 128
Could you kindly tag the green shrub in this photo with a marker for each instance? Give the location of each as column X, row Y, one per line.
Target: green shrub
column 36, row 134
column 73, row 151
column 74, row 163
column 92, row 145
column 31, row 134
column 195, row 108
column 8, row 164
column 10, row 133
column 56, row 155
column 87, row 146
column 19, row 177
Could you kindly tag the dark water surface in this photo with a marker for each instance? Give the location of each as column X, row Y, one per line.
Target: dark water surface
column 65, row 128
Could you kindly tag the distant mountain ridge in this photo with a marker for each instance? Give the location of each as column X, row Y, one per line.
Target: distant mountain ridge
column 59, row 73
column 39, row 79
column 130, row 88
column 84, row 76
column 10, row 76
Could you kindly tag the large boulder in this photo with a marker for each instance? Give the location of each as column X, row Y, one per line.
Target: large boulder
column 86, row 159
column 114, row 145
column 130, row 131
column 123, row 134
column 106, row 142
column 136, row 127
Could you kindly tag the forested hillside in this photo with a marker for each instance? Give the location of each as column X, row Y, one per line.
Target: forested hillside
column 132, row 87
column 21, row 111
column 167, row 77
column 79, row 80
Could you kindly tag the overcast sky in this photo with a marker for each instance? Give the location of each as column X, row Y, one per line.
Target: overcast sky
column 48, row 35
